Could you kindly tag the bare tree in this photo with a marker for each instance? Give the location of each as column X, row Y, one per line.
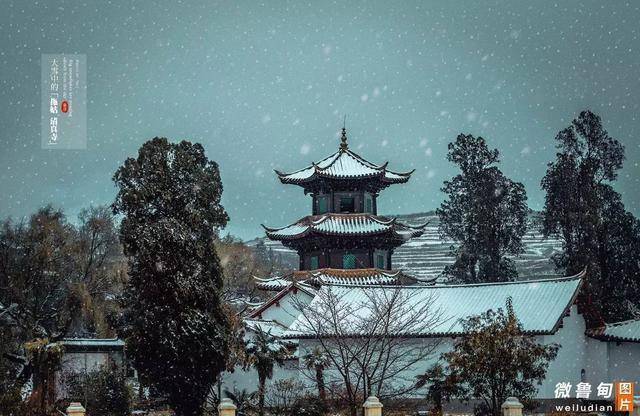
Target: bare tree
column 371, row 338
column 99, row 255
column 54, row 278
column 240, row 264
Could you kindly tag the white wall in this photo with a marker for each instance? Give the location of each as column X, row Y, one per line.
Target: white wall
column 408, row 377
column 248, row 380
column 285, row 312
column 577, row 352
column 624, row 361
column 602, row 361
column 80, row 362
column 84, row 361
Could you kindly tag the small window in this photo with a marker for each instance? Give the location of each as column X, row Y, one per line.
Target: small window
column 347, row 204
column 323, row 205
column 380, row 261
column 349, row 261
column 315, row 264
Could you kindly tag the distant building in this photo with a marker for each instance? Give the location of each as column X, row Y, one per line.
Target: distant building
column 84, row 355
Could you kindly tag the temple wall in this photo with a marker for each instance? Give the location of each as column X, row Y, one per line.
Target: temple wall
column 624, row 361
column 84, row 362
column 601, row 361
column 580, row 358
column 286, row 309
column 248, row 380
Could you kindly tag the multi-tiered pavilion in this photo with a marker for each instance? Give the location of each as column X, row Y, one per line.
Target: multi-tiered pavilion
column 344, row 240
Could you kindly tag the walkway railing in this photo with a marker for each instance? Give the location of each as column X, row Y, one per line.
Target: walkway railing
column 372, row 407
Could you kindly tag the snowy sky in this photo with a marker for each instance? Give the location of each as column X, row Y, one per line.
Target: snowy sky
column 265, row 86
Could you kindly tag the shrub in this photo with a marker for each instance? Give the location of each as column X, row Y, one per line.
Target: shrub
column 104, row 392
column 287, row 398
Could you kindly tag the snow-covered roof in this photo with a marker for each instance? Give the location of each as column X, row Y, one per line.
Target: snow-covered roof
column 345, row 224
column 272, row 283
column 330, row 276
column 353, row 277
column 344, row 164
column 540, row 305
column 273, row 327
column 628, row 331
column 291, row 287
column 92, row 343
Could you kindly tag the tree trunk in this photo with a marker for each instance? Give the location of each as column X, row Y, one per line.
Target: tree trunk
column 320, row 382
column 353, row 410
column 261, row 387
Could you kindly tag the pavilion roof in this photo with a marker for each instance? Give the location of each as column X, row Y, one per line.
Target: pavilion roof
column 539, row 305
column 344, row 165
column 330, row 276
column 351, row 276
column 345, row 225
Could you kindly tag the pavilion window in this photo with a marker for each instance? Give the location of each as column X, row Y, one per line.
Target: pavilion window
column 323, row 204
column 380, row 261
column 314, row 263
column 368, row 203
column 349, row 261
column 347, row 204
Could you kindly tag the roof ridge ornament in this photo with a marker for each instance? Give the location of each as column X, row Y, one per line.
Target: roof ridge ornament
column 343, row 140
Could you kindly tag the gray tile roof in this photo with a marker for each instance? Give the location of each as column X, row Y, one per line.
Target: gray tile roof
column 540, row 305
column 628, row 331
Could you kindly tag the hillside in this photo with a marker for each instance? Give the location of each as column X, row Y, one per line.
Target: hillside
column 426, row 256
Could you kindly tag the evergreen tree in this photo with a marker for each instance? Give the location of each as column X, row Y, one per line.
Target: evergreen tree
column 485, row 213
column 583, row 209
column 175, row 327
column 102, row 390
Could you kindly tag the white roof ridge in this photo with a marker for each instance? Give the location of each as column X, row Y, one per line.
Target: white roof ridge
column 516, row 282
column 267, row 279
column 365, row 162
column 89, row 339
column 389, row 273
column 280, row 173
column 415, row 227
column 621, row 323
column 275, row 321
column 320, row 220
column 379, row 220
